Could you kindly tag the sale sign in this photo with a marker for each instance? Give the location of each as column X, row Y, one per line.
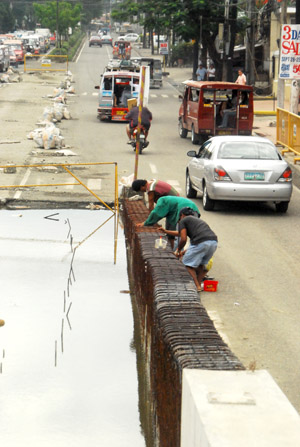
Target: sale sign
column 289, row 67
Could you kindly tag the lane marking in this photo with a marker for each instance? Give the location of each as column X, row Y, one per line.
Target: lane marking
column 95, row 94
column 94, row 184
column 77, row 59
column 165, row 96
column 23, row 182
column 153, row 95
column 153, row 168
column 84, row 94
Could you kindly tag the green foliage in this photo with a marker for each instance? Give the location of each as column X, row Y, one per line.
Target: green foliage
column 7, row 21
column 182, row 51
column 69, row 15
column 70, row 47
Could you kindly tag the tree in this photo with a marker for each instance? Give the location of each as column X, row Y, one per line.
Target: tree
column 7, row 21
column 68, row 16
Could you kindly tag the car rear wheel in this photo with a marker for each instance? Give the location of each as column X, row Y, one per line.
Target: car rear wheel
column 208, row 203
column 194, row 136
column 282, row 207
column 191, row 193
column 181, row 130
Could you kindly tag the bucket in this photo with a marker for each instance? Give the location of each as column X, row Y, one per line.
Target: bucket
column 160, row 243
column 210, row 286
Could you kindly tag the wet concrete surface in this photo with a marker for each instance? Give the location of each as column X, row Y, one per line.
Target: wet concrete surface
column 68, row 374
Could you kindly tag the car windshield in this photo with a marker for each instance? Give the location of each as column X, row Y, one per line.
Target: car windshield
column 248, row 150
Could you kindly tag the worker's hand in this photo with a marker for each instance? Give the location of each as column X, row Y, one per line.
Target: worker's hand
column 162, row 230
column 141, row 224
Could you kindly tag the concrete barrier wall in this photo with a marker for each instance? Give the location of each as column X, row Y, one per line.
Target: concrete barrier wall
column 176, row 331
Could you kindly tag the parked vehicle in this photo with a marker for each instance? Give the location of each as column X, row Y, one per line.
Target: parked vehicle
column 106, row 39
column 132, row 37
column 52, row 39
column 239, row 168
column 95, row 41
column 12, row 57
column 203, row 105
column 17, row 46
column 155, row 70
column 4, row 58
column 116, row 88
column 122, row 50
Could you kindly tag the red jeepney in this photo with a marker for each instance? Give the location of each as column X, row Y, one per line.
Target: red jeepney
column 205, row 104
column 122, row 50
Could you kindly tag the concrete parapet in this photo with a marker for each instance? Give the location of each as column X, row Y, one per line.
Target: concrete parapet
column 176, row 331
column 236, row 408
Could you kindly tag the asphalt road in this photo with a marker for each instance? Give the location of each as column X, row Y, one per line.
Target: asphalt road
column 256, row 308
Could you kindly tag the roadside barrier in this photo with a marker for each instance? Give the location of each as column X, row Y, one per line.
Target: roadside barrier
column 288, row 133
column 176, row 331
column 46, row 62
column 66, row 167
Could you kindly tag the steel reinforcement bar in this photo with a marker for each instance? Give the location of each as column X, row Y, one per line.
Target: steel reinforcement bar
column 176, row 331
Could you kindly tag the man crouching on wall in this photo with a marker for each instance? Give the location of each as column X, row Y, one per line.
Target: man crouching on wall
column 203, row 244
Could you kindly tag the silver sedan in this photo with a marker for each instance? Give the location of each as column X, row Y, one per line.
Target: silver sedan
column 239, row 168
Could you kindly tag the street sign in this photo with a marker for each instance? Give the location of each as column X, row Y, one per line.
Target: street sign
column 163, row 48
column 289, row 67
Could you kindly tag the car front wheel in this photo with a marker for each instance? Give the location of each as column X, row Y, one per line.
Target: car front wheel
column 282, row 207
column 208, row 203
column 191, row 193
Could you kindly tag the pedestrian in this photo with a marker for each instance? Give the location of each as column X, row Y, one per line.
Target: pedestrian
column 241, row 79
column 211, row 72
column 203, row 244
column 169, row 207
column 154, row 189
column 201, row 72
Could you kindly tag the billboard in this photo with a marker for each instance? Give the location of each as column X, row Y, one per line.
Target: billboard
column 289, row 67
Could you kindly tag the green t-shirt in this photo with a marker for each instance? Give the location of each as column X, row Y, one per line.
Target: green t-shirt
column 169, row 207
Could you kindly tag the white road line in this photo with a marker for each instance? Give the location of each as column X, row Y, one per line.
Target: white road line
column 153, row 95
column 22, row 183
column 95, row 94
column 153, row 168
column 94, row 184
column 165, row 96
column 215, row 317
column 84, row 94
column 77, row 59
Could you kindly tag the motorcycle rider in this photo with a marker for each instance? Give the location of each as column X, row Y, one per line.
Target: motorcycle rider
column 132, row 117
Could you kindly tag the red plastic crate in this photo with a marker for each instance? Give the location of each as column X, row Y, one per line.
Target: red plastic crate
column 210, row 286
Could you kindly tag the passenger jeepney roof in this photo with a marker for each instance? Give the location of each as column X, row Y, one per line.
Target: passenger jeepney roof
column 216, row 85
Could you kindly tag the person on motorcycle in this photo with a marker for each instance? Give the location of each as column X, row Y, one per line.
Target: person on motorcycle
column 132, row 117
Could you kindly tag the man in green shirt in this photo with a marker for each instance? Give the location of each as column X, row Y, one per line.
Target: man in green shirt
column 169, row 207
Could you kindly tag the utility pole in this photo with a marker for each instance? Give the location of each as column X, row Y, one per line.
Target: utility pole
column 281, row 82
column 226, row 41
column 250, row 44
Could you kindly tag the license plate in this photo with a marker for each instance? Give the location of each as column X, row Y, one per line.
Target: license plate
column 254, row 176
column 120, row 112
